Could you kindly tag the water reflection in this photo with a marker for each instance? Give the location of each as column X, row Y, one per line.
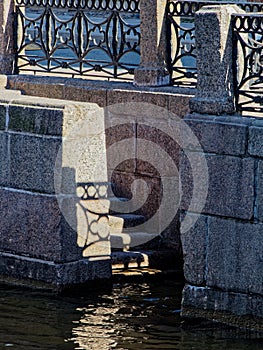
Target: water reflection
column 144, row 316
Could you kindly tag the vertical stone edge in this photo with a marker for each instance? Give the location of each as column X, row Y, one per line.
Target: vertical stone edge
column 153, row 65
column 215, row 82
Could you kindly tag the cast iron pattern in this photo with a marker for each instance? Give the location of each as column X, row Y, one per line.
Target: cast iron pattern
column 119, row 5
column 99, row 38
column 180, row 17
column 248, row 46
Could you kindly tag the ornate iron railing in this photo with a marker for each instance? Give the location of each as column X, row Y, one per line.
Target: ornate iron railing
column 248, row 48
column 78, row 37
column 180, row 17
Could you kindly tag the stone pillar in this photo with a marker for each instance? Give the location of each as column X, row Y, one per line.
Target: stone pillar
column 215, row 82
column 7, row 52
column 153, row 66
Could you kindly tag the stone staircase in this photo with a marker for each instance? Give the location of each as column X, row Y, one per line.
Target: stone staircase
column 127, row 236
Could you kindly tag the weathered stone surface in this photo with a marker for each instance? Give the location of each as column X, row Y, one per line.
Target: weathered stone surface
column 7, row 38
column 2, row 116
column 121, row 147
column 227, row 136
column 32, row 162
column 157, row 152
column 37, row 226
column 153, row 61
column 228, row 194
column 85, row 226
column 174, row 99
column 25, row 270
column 215, row 88
column 37, row 120
column 205, row 298
column 259, row 191
column 82, row 93
column 30, row 225
column 42, row 88
column 116, row 96
column 151, row 76
column 4, row 170
column 194, row 251
column 235, row 256
column 146, row 192
column 179, row 106
column 255, row 143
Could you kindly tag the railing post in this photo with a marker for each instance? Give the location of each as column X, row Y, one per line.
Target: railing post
column 214, row 49
column 153, row 65
column 7, row 41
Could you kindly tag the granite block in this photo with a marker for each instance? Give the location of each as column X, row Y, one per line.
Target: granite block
column 227, row 307
column 2, row 116
column 44, row 121
column 157, row 152
column 119, row 132
column 85, row 94
column 230, row 185
column 178, row 105
column 235, row 256
column 121, row 147
column 43, row 88
column 259, row 191
column 4, row 159
column 145, row 192
column 194, row 251
column 255, row 143
column 30, row 225
column 228, row 137
column 117, row 96
column 32, row 162
column 38, row 273
column 37, row 226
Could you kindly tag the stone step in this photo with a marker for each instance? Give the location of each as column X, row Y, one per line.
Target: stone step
column 141, row 259
column 119, row 205
column 125, row 241
column 129, row 259
column 119, row 222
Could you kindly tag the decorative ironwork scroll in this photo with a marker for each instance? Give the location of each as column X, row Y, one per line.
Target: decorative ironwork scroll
column 180, row 17
column 248, row 44
column 78, row 37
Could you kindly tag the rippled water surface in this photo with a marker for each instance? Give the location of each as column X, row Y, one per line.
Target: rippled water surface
column 131, row 316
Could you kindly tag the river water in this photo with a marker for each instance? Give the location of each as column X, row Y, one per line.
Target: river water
column 130, row 316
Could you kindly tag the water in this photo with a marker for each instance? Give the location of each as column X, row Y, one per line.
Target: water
column 130, row 316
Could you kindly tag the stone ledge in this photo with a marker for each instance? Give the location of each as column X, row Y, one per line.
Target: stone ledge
column 25, row 271
column 103, row 93
column 234, row 309
column 220, row 135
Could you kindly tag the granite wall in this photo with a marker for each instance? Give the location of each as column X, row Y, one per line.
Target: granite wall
column 49, row 147
column 223, row 251
column 40, row 242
